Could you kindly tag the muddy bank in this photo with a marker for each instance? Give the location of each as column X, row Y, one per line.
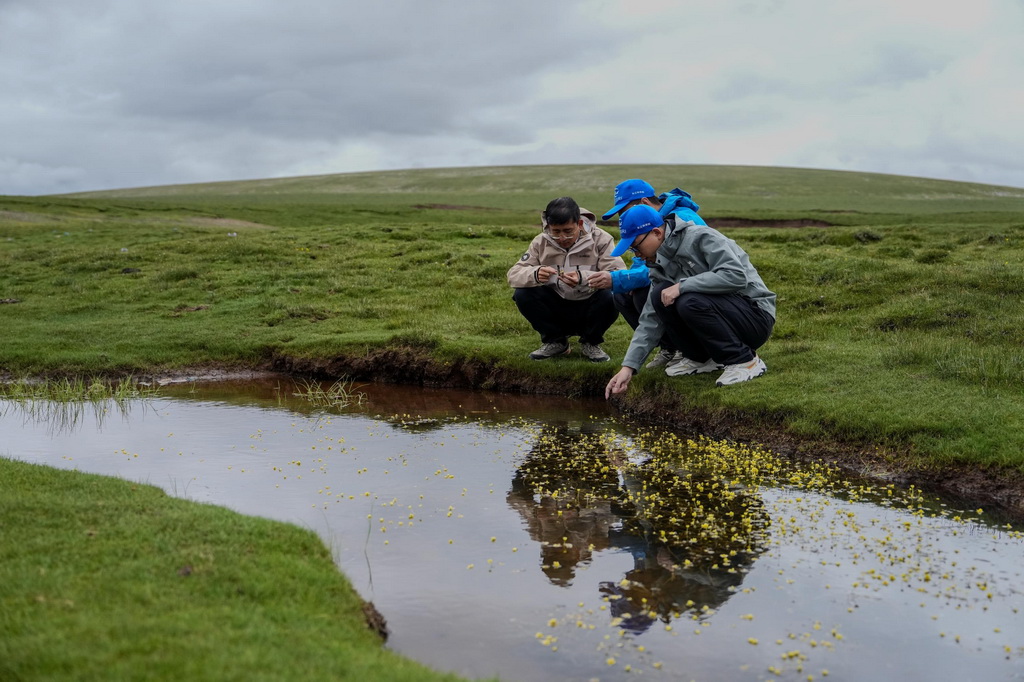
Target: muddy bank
column 998, row 491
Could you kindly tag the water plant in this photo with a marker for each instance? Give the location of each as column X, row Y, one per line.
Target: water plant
column 62, row 403
column 339, row 394
column 76, row 389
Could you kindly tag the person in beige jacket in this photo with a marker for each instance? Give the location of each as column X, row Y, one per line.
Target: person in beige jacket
column 562, row 286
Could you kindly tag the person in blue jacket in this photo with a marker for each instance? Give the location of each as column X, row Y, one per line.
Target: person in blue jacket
column 631, row 287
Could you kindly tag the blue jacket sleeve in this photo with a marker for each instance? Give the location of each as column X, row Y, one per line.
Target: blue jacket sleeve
column 626, row 280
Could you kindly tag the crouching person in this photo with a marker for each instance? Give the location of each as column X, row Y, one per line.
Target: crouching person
column 555, row 287
column 632, row 287
column 705, row 295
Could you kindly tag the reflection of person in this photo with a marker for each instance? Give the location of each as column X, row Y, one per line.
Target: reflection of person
column 631, row 287
column 658, row 588
column 552, row 282
column 568, row 498
column 579, row 495
column 705, row 295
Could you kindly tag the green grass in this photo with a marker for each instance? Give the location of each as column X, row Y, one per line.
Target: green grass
column 102, row 579
column 901, row 322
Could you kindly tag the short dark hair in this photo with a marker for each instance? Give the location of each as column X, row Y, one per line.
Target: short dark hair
column 561, row 211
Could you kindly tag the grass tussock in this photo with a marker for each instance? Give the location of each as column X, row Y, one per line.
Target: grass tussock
column 339, row 394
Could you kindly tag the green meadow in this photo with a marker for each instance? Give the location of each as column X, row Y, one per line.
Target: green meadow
column 900, row 330
column 900, row 316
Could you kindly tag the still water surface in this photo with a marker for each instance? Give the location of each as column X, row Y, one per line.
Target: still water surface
column 535, row 538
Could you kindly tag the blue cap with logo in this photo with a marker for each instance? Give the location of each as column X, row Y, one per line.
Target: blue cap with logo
column 635, row 222
column 627, row 191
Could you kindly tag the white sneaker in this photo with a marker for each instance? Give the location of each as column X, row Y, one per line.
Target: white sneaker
column 663, row 358
column 685, row 366
column 744, row 371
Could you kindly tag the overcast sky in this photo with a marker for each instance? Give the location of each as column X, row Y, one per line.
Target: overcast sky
column 101, row 94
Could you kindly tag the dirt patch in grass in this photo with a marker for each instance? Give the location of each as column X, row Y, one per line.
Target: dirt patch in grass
column 454, row 207
column 227, row 223
column 748, row 222
column 719, row 223
column 188, row 375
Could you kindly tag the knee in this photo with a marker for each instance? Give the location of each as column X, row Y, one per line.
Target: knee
column 526, row 294
column 656, row 297
column 691, row 304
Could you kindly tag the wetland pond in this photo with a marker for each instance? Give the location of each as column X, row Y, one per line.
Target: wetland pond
column 539, row 538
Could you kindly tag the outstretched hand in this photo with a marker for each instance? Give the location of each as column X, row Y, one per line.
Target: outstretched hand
column 618, row 383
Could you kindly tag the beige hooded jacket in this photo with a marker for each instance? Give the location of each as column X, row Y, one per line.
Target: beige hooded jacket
column 591, row 253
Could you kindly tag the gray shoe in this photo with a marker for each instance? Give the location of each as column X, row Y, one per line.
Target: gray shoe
column 661, row 359
column 685, row 367
column 550, row 350
column 593, row 353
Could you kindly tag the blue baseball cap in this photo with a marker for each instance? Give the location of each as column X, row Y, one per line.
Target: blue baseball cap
column 635, row 222
column 627, row 191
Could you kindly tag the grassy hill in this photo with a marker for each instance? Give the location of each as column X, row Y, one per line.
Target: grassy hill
column 721, row 189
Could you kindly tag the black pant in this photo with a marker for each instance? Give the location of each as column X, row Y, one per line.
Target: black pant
column 726, row 328
column 630, row 304
column 556, row 319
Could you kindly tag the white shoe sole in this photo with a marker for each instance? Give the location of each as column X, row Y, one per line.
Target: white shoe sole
column 696, row 370
column 758, row 370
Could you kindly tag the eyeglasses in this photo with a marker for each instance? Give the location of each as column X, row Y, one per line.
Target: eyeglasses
column 636, row 244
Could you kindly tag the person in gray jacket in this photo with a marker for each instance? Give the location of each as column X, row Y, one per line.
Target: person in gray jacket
column 705, row 294
column 552, row 282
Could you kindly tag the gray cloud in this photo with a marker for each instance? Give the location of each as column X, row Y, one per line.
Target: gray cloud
column 303, row 71
column 114, row 93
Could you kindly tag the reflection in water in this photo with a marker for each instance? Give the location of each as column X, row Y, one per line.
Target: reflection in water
column 67, row 416
column 692, row 535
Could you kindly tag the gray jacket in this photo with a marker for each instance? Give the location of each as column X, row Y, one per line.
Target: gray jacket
column 700, row 259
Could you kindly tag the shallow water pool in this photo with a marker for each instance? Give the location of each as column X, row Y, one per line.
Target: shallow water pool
column 535, row 538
